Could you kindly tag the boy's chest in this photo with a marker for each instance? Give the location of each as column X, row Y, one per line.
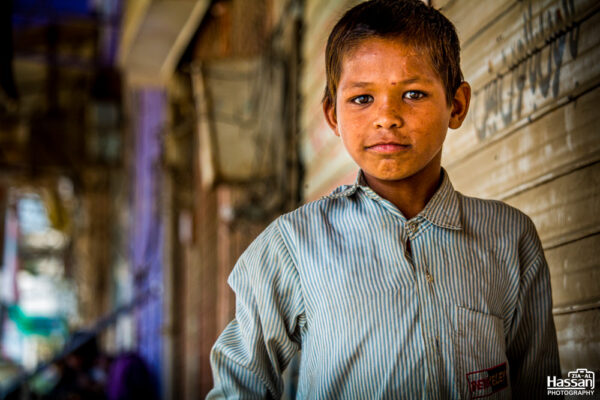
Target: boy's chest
column 434, row 267
column 437, row 306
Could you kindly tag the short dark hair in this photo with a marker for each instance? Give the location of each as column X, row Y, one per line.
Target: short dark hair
column 412, row 21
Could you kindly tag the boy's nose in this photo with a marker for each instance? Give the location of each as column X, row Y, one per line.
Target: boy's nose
column 388, row 117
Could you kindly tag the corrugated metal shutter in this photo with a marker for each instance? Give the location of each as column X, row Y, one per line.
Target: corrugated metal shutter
column 532, row 139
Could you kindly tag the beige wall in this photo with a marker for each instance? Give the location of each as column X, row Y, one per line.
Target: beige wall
column 326, row 163
column 532, row 137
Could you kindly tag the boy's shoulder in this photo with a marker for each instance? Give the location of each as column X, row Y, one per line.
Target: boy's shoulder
column 321, row 207
column 497, row 214
column 489, row 205
column 315, row 211
column 289, row 230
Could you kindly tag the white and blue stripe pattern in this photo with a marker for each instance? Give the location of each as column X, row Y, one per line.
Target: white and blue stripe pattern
column 376, row 318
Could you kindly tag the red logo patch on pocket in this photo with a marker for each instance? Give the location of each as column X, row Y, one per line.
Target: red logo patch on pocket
column 487, row 381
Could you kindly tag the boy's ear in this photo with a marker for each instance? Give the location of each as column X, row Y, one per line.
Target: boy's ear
column 330, row 117
column 460, row 105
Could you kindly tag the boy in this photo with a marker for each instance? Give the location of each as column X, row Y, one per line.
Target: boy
column 396, row 286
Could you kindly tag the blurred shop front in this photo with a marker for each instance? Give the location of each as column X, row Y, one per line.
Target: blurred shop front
column 144, row 144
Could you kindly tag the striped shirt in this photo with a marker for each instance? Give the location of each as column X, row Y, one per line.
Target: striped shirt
column 452, row 303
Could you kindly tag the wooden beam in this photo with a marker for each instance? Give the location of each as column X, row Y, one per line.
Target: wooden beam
column 164, row 32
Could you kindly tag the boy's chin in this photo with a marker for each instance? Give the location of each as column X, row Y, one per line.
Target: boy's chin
column 397, row 175
column 389, row 176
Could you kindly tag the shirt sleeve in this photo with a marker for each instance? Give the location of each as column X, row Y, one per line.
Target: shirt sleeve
column 533, row 350
column 254, row 349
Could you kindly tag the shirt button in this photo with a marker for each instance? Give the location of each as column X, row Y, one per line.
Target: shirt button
column 429, row 277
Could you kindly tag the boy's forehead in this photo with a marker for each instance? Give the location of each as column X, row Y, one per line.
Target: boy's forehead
column 403, row 61
column 400, row 45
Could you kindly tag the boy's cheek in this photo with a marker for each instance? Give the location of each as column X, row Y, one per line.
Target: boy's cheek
column 351, row 121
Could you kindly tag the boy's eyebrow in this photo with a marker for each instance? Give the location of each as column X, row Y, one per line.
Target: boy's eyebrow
column 358, row 84
column 406, row 81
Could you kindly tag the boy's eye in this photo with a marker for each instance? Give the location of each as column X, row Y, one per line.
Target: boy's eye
column 414, row 95
column 362, row 99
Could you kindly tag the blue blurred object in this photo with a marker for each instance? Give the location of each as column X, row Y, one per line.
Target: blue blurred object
column 36, row 325
column 66, row 7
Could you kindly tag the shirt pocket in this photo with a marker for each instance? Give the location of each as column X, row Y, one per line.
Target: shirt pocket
column 484, row 369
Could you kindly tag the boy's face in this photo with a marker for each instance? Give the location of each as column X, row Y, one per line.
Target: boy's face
column 391, row 110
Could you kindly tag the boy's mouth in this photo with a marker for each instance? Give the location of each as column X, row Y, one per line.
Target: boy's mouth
column 387, row 148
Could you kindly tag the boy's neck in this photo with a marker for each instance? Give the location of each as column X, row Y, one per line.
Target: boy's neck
column 410, row 195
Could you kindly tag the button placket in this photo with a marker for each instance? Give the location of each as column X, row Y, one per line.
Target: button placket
column 412, row 229
column 423, row 280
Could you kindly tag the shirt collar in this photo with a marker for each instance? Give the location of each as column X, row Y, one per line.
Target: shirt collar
column 443, row 209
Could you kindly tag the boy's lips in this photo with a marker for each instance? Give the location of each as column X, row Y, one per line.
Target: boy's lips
column 388, row 148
